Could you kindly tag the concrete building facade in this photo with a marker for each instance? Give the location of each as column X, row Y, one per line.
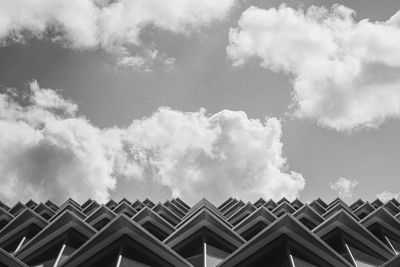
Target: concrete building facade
column 235, row 233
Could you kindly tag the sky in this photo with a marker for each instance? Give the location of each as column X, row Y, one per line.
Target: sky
column 109, row 99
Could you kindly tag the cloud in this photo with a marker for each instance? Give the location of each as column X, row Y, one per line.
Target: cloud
column 386, row 196
column 47, row 150
column 345, row 73
column 198, row 155
column 114, row 25
column 131, row 61
column 344, row 187
column 147, row 60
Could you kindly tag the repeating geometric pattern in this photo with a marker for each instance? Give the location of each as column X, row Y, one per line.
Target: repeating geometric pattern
column 144, row 233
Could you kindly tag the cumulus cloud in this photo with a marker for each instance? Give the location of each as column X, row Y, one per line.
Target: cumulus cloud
column 199, row 155
column 385, row 196
column 345, row 72
column 344, row 187
column 47, row 150
column 112, row 25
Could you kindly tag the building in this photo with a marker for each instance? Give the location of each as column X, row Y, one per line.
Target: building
column 143, row 233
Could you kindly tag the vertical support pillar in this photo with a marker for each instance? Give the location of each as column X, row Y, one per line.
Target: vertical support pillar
column 20, row 244
column 351, row 255
column 121, row 251
column 204, row 251
column 119, row 260
column 60, row 254
column 391, row 246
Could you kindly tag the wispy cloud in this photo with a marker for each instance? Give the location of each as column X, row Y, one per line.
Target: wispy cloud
column 344, row 187
column 110, row 25
column 346, row 73
column 385, row 196
column 48, row 150
column 146, row 60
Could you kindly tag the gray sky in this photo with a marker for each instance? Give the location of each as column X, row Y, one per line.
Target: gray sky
column 202, row 75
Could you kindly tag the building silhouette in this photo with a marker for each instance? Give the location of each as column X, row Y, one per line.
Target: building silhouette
column 144, row 233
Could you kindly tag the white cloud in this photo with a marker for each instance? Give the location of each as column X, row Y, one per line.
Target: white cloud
column 146, row 60
column 385, row 196
column 198, row 155
column 344, row 187
column 131, row 61
column 48, row 151
column 345, row 73
column 111, row 25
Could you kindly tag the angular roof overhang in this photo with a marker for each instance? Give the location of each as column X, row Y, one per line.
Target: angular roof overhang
column 346, row 223
column 395, row 202
column 172, row 207
column 119, row 227
column 111, row 204
column 102, row 212
column 283, row 200
column 385, row 219
column 297, row 204
column 393, row 262
column 147, row 215
column 137, row 205
column 227, row 204
column 241, row 213
column 68, row 207
column 356, row 204
column 288, row 226
column 201, row 205
column 179, row 203
column 88, row 209
column 51, row 205
column 70, row 201
column 233, row 208
column 260, row 202
column 66, row 221
column 262, row 214
column 338, row 207
column 167, row 213
column 366, row 207
column 322, row 203
column 270, row 204
column 124, row 199
column 317, row 207
column 283, row 207
column 24, row 219
column 125, row 207
column 204, row 219
column 148, row 203
column 31, row 204
column 17, row 208
column 392, row 208
column 86, row 203
column 5, row 216
column 308, row 213
column 4, row 206
column 42, row 209
column 8, row 260
column 377, row 203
